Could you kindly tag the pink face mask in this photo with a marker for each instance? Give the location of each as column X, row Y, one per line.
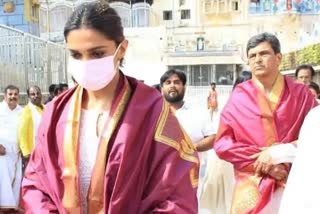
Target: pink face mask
column 93, row 74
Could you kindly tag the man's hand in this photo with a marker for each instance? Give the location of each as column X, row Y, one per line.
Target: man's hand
column 263, row 164
column 278, row 172
column 2, row 150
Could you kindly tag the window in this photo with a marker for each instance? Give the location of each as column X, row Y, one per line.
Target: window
column 267, row 5
column 222, row 6
column 185, row 14
column 35, row 12
column 208, row 6
column 309, row 5
column 167, row 15
column 182, row 2
column 235, row 6
column 200, row 75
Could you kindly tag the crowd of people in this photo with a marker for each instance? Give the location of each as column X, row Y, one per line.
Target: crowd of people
column 112, row 144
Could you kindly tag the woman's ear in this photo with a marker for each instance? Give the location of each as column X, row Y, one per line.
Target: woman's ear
column 123, row 48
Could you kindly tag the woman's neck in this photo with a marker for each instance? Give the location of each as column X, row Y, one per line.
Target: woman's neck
column 101, row 100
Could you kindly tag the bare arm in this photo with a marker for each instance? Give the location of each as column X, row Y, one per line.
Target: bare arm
column 205, row 144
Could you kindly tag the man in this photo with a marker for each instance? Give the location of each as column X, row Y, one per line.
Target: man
column 315, row 90
column 173, row 85
column 52, row 87
column 259, row 127
column 10, row 160
column 29, row 120
column 304, row 74
column 212, row 101
column 60, row 88
column 196, row 125
column 302, row 190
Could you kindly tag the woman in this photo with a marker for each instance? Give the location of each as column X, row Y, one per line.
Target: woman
column 109, row 145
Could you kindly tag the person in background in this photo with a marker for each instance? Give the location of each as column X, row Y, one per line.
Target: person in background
column 110, row 144
column 212, row 100
column 213, row 194
column 244, row 76
column 29, row 120
column 60, row 88
column 10, row 159
column 157, row 86
column 314, row 89
column 304, row 74
column 259, row 128
column 52, row 88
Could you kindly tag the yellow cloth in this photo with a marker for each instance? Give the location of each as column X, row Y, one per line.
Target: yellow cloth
column 26, row 130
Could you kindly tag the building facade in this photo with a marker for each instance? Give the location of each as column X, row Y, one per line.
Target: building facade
column 205, row 38
column 20, row 14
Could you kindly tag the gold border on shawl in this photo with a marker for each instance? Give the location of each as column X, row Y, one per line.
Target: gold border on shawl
column 71, row 196
column 276, row 92
column 185, row 148
column 246, row 194
column 96, row 190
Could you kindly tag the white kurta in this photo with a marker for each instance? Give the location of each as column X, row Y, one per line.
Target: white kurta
column 89, row 143
column 10, row 163
column 216, row 176
column 301, row 194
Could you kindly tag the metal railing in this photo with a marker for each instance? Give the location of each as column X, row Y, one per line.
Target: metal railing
column 27, row 60
column 197, row 95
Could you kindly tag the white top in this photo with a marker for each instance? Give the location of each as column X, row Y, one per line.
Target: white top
column 301, row 194
column 195, row 122
column 89, row 142
column 9, row 120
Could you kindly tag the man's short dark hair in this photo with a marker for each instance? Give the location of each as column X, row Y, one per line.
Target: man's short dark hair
column 305, row 66
column 11, row 87
column 34, row 86
column 213, row 83
column 264, row 37
column 182, row 76
column 51, row 88
column 314, row 86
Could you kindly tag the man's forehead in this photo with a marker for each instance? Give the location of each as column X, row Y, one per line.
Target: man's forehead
column 304, row 71
column 12, row 91
column 173, row 77
column 34, row 89
column 260, row 47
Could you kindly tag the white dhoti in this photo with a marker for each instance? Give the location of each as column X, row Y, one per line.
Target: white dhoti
column 217, row 186
column 11, row 176
column 10, row 163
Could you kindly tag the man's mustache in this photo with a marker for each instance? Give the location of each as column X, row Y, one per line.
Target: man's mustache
column 13, row 99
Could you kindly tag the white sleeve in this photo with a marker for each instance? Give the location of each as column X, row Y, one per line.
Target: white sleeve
column 282, row 153
column 210, row 127
column 301, row 194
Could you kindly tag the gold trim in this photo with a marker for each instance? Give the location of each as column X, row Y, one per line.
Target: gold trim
column 185, row 148
column 246, row 194
column 71, row 197
column 95, row 192
column 276, row 92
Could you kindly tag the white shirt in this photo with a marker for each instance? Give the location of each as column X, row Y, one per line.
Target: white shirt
column 9, row 120
column 301, row 194
column 195, row 122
